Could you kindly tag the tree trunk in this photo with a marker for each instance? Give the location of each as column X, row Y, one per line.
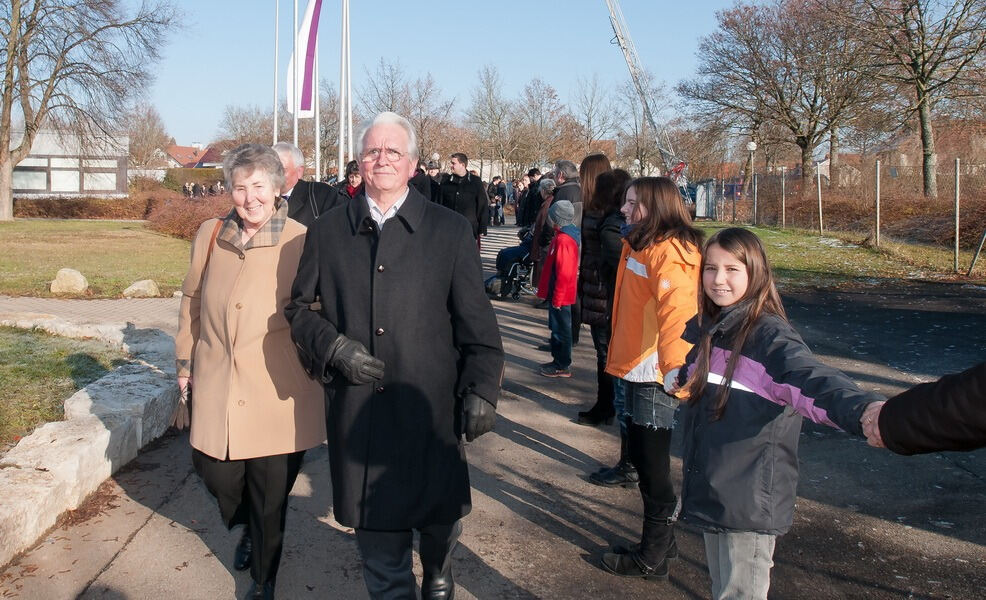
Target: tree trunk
column 834, row 163
column 928, row 150
column 6, row 188
column 807, row 173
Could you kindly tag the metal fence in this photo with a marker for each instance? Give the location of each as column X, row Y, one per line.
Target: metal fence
column 875, row 199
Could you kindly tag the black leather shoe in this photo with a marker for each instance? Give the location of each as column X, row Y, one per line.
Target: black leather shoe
column 260, row 591
column 623, row 474
column 244, row 551
column 545, row 347
column 438, row 588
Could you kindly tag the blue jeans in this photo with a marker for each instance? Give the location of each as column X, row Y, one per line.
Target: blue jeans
column 739, row 563
column 560, row 324
column 619, row 403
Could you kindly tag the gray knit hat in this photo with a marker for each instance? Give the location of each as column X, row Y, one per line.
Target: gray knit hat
column 562, row 213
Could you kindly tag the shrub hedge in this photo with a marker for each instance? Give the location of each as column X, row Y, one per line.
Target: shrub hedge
column 181, row 216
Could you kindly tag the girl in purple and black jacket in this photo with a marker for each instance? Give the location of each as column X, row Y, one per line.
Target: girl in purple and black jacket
column 750, row 380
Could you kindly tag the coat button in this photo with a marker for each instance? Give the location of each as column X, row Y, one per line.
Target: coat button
column 379, row 389
column 239, row 306
column 242, row 402
column 242, row 256
column 380, row 331
column 380, row 268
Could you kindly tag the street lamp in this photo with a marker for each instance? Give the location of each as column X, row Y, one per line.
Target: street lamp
column 752, row 147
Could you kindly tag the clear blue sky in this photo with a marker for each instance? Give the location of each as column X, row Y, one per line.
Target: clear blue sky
column 222, row 54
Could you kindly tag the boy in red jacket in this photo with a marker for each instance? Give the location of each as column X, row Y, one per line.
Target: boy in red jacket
column 559, row 279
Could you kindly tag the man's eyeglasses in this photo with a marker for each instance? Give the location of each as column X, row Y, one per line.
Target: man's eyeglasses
column 373, row 154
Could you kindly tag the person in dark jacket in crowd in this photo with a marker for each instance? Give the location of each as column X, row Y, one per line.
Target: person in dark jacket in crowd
column 399, row 391
column 428, row 187
column 532, row 200
column 610, row 188
column 307, row 200
column 352, row 185
column 943, row 415
column 541, row 231
column 590, row 281
column 433, row 169
column 465, row 193
column 750, row 380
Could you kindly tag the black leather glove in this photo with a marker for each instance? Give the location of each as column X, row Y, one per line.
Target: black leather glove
column 478, row 415
column 352, row 359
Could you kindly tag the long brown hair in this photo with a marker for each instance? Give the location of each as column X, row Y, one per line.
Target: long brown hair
column 591, row 167
column 666, row 215
column 610, row 189
column 761, row 296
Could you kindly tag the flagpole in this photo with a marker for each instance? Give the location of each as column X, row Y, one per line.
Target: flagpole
column 342, row 96
column 349, row 87
column 318, row 123
column 294, row 76
column 277, row 19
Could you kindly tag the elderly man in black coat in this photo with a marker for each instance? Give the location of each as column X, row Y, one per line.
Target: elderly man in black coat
column 389, row 310
column 307, row 200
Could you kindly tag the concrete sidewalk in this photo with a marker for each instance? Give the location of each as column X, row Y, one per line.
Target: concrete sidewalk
column 868, row 523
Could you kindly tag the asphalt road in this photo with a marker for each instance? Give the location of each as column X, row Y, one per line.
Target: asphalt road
column 869, row 524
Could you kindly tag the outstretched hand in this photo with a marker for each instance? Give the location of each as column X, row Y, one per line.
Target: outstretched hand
column 871, row 424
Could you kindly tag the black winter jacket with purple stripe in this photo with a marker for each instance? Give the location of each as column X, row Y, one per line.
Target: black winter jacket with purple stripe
column 741, row 471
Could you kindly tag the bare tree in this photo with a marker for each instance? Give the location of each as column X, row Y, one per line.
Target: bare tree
column 539, row 110
column 72, row 63
column 637, row 141
column 492, row 118
column 929, row 47
column 148, row 136
column 595, row 111
column 774, row 64
column 386, row 89
column 429, row 112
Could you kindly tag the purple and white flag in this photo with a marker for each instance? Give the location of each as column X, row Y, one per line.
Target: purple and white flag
column 308, row 87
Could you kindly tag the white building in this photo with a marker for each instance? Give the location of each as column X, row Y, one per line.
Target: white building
column 59, row 165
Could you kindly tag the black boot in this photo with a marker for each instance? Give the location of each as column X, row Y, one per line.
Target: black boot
column 623, row 473
column 435, row 550
column 602, row 411
column 650, row 558
column 244, row 551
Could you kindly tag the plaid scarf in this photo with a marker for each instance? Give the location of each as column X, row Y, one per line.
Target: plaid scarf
column 268, row 235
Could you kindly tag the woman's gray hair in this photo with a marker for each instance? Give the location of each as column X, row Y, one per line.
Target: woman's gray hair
column 390, row 118
column 250, row 157
column 546, row 185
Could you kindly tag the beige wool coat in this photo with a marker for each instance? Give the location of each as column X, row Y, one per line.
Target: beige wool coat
column 250, row 395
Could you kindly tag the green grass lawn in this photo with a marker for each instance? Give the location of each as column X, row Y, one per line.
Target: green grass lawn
column 801, row 258
column 110, row 254
column 39, row 371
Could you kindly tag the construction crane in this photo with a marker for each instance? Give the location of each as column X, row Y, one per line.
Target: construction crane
column 674, row 166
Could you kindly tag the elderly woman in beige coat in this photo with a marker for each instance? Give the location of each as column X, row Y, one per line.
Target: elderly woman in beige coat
column 255, row 410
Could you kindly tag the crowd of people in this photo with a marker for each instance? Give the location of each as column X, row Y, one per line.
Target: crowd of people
column 293, row 330
column 200, row 190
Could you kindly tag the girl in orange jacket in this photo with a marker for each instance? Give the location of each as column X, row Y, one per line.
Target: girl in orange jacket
column 656, row 294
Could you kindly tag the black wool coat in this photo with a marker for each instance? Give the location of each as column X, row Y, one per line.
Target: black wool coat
column 311, row 199
column 466, row 195
column 413, row 294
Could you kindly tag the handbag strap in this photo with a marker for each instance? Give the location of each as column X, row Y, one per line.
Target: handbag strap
column 212, row 243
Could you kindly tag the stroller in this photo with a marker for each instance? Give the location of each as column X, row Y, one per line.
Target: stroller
column 514, row 269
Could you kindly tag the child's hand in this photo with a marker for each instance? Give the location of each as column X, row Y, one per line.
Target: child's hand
column 871, row 424
column 671, row 381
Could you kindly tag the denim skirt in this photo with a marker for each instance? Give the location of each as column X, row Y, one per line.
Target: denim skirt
column 648, row 405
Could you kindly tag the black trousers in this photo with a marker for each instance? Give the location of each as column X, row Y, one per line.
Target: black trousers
column 253, row 492
column 387, row 558
column 604, row 381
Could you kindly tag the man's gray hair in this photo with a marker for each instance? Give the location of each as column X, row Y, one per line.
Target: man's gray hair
column 546, row 185
column 291, row 150
column 249, row 158
column 390, row 118
column 568, row 169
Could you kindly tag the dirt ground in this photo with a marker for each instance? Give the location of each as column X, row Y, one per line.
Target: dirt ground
column 868, row 524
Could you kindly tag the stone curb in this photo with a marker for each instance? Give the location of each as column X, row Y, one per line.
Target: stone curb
column 56, row 467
